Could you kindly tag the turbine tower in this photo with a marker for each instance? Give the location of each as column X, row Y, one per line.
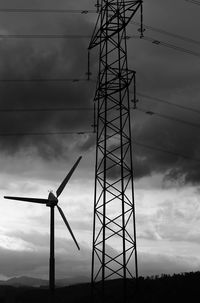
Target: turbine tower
column 114, row 253
column 51, row 202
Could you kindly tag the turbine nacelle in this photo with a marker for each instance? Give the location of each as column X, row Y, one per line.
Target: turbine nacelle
column 52, row 200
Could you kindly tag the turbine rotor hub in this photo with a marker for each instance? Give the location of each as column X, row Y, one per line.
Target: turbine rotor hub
column 52, row 200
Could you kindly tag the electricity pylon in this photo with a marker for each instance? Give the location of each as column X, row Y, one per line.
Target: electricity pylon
column 114, row 252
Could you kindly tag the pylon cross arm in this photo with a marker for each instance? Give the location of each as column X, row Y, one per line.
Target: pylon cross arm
column 118, row 18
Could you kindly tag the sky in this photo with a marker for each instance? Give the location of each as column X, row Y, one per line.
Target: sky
column 165, row 150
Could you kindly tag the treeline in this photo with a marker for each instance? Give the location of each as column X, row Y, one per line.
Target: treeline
column 183, row 287
column 177, row 288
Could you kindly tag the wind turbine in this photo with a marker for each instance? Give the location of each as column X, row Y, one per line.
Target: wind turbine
column 51, row 202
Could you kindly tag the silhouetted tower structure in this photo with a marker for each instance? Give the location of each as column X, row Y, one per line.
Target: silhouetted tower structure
column 114, row 235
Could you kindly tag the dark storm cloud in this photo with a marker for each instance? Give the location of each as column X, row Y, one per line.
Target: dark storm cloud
column 173, row 76
column 168, row 148
column 88, row 143
column 43, row 59
column 162, row 72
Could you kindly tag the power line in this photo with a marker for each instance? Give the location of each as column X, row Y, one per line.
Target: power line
column 68, row 36
column 153, row 98
column 168, row 45
column 90, row 108
column 193, row 1
column 163, row 150
column 169, row 103
column 151, row 113
column 44, row 10
column 10, row 110
column 42, row 36
column 53, row 133
column 158, row 30
column 90, row 11
column 74, row 80
column 148, row 112
column 48, row 133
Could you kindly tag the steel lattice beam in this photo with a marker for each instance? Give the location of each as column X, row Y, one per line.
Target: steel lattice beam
column 114, row 235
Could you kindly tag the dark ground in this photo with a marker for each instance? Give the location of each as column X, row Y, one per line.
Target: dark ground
column 164, row 289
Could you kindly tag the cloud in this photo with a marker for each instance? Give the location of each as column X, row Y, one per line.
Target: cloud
column 170, row 75
column 157, row 264
column 71, row 263
column 164, row 224
column 173, row 219
column 68, row 265
column 36, row 59
column 35, row 260
column 160, row 144
column 68, row 59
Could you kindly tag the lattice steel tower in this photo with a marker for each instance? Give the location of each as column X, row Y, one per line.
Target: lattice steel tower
column 114, row 236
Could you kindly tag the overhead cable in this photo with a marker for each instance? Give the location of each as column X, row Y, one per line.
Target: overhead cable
column 74, row 80
column 161, row 31
column 153, row 98
column 193, row 1
column 44, row 10
column 56, row 109
column 151, row 113
column 166, row 44
column 169, row 103
column 163, row 150
column 53, row 133
column 90, row 11
column 46, row 133
column 71, row 36
column 42, row 36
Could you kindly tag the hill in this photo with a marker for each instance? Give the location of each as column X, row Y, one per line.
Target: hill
column 164, row 289
column 35, row 282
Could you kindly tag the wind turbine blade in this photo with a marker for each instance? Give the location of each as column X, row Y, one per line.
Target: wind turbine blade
column 63, row 184
column 33, row 200
column 68, row 226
